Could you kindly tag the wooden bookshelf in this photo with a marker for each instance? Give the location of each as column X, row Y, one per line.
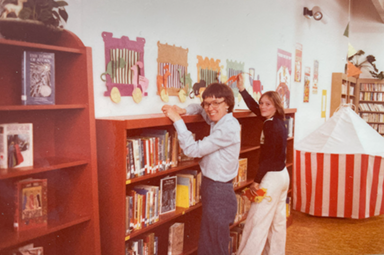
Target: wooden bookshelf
column 64, row 138
column 370, row 103
column 113, row 186
column 343, row 91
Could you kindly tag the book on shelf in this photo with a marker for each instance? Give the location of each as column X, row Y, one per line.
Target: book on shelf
column 183, row 191
column 168, row 194
column 191, row 188
column 148, row 245
column 28, row 249
column 196, row 184
column 16, row 145
column 176, row 239
column 30, row 204
column 181, row 156
column 242, row 172
column 38, row 78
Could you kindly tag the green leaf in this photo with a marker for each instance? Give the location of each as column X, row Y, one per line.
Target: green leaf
column 63, row 14
column 25, row 13
column 56, row 15
column 61, row 3
column 45, row 15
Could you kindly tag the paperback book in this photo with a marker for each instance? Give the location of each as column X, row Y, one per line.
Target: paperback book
column 176, row 239
column 30, row 204
column 168, row 194
column 16, row 145
column 38, row 78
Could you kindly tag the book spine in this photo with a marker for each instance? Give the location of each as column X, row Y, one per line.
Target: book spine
column 3, row 147
column 16, row 222
column 24, row 79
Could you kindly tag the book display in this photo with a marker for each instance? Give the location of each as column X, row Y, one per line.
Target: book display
column 38, row 78
column 16, row 145
column 370, row 93
column 343, row 91
column 114, row 187
column 52, row 201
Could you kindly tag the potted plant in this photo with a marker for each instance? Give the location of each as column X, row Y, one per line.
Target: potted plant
column 32, row 20
column 366, row 65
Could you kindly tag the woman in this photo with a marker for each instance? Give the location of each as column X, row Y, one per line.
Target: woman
column 265, row 227
column 219, row 164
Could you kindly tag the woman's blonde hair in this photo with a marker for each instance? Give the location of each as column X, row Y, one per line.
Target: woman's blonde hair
column 276, row 100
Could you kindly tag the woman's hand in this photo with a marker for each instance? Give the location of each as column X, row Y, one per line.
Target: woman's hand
column 254, row 187
column 179, row 110
column 171, row 113
column 240, row 82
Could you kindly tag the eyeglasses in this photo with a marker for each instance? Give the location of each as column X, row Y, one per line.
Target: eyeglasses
column 214, row 104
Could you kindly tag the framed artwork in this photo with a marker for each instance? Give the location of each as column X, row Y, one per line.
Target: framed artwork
column 125, row 72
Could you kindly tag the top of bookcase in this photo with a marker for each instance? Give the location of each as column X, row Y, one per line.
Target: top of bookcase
column 158, row 119
column 65, row 42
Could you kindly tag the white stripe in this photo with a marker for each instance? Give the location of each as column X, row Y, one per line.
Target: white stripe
column 356, row 186
column 380, row 188
column 302, row 178
column 294, row 181
column 314, row 171
column 326, row 184
column 341, row 187
column 371, row 160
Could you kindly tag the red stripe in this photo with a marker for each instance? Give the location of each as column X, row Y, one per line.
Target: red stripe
column 350, row 165
column 298, row 181
column 375, row 185
column 334, row 185
column 319, row 185
column 308, row 180
column 363, row 185
column 382, row 200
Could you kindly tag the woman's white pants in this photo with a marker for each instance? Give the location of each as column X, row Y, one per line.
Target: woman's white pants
column 265, row 228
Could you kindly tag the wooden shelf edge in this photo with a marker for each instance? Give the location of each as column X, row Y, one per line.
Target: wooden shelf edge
column 41, row 165
column 42, row 107
column 163, row 219
column 181, row 166
column 11, row 238
column 23, row 44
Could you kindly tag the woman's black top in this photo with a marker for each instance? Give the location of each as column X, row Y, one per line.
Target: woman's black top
column 273, row 141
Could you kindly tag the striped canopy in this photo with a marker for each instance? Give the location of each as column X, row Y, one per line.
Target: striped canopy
column 339, row 169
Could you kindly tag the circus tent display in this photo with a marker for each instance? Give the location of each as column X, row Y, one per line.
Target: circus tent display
column 339, row 169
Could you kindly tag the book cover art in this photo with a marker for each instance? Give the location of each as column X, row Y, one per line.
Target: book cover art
column 30, row 204
column 260, row 195
column 16, row 145
column 176, row 239
column 38, row 78
column 168, row 194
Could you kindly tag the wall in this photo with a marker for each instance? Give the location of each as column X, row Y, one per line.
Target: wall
column 244, row 31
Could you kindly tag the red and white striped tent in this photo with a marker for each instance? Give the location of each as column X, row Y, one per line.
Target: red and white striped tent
column 339, row 169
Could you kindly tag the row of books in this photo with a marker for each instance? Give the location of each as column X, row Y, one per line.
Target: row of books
column 351, row 90
column 149, row 245
column 151, row 152
column 242, row 173
column 344, row 88
column 145, row 203
column 289, row 125
column 371, row 96
column 16, row 145
column 378, row 127
column 371, row 107
column 372, row 87
column 28, row 249
column 372, row 117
